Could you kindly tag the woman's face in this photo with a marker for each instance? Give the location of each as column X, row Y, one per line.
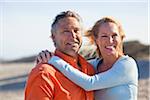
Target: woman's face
column 109, row 40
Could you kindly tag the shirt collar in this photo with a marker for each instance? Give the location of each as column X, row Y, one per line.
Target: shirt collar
column 72, row 61
column 65, row 57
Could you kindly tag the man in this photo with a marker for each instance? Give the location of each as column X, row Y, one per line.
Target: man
column 47, row 83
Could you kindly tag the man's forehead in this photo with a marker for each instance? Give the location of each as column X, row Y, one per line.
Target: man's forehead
column 69, row 22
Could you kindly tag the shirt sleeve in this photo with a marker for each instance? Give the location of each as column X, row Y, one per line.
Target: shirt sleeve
column 41, row 89
column 123, row 71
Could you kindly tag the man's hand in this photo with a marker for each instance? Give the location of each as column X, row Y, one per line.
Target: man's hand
column 43, row 57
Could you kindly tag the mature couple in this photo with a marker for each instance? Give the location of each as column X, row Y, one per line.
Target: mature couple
column 68, row 76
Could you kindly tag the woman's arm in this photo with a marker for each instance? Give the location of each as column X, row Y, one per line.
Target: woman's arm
column 123, row 71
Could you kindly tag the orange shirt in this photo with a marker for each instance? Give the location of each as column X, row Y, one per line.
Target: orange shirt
column 47, row 83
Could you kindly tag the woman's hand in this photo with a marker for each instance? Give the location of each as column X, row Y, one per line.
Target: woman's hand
column 43, row 57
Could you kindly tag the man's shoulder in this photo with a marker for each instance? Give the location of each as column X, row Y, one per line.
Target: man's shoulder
column 43, row 69
column 40, row 75
column 90, row 68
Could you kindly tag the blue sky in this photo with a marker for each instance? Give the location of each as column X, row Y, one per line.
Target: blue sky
column 25, row 25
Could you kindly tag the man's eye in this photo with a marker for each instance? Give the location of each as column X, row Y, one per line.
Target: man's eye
column 76, row 30
column 66, row 31
column 104, row 36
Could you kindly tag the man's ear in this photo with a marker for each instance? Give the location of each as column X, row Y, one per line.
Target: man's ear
column 53, row 38
column 96, row 40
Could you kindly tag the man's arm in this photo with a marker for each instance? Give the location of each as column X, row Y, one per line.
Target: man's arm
column 39, row 86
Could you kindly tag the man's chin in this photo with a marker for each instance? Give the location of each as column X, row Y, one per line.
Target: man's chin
column 72, row 52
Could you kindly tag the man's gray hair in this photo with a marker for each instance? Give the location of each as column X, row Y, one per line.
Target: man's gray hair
column 63, row 15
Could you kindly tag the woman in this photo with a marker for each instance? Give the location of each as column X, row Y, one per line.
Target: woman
column 116, row 75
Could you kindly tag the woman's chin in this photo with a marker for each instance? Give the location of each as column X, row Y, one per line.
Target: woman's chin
column 110, row 53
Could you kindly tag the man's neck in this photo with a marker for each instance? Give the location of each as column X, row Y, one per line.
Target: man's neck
column 69, row 58
column 75, row 55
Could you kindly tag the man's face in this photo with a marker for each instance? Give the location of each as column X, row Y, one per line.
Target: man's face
column 67, row 36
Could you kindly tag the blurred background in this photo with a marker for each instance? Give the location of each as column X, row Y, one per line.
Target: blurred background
column 25, row 31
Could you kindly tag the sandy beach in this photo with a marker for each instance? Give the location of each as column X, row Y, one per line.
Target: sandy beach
column 13, row 78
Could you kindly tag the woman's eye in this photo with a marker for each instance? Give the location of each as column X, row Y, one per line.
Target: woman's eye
column 115, row 35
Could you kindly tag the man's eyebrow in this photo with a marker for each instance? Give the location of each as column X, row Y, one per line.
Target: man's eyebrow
column 103, row 33
column 76, row 27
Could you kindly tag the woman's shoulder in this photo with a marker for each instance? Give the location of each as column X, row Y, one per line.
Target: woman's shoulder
column 126, row 60
column 126, row 64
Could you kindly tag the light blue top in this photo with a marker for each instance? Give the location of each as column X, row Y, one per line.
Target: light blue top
column 118, row 83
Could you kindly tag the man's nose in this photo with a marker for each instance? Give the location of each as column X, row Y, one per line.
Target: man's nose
column 73, row 34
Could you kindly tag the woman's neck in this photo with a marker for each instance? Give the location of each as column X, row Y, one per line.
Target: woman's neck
column 107, row 62
column 111, row 59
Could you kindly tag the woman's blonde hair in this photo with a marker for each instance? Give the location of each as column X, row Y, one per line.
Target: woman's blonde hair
column 92, row 34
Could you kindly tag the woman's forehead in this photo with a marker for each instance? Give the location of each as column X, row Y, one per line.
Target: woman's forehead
column 109, row 26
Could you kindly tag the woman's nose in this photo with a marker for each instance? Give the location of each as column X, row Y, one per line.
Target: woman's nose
column 111, row 39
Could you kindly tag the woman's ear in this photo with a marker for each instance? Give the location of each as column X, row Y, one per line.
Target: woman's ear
column 122, row 37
